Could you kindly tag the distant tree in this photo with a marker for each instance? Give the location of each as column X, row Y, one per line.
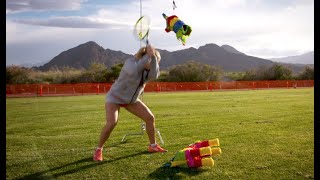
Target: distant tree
column 9, row 76
column 264, row 73
column 18, row 75
column 281, row 72
column 163, row 77
column 307, row 73
column 115, row 72
column 275, row 72
column 250, row 75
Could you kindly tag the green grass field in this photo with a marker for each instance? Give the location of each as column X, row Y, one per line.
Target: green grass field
column 264, row 134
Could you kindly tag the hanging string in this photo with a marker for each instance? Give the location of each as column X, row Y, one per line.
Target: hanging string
column 174, row 5
column 141, row 95
column 140, row 16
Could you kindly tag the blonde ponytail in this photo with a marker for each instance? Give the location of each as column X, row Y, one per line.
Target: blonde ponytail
column 140, row 53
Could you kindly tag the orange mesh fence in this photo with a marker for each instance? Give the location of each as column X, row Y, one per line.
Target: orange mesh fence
column 82, row 88
column 176, row 86
column 23, row 90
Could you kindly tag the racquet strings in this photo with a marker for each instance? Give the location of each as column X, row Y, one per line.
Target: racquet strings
column 142, row 27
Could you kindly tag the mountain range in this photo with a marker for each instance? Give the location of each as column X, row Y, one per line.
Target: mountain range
column 225, row 57
column 84, row 54
column 307, row 58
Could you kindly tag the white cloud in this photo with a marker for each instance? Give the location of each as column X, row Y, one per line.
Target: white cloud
column 74, row 22
column 29, row 5
column 108, row 17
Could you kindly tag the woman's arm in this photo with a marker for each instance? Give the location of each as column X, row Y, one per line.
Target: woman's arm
column 154, row 69
column 131, row 66
column 142, row 62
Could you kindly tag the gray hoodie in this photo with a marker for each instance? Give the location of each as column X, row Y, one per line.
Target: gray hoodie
column 127, row 88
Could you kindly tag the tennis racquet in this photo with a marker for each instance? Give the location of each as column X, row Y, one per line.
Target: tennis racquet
column 142, row 28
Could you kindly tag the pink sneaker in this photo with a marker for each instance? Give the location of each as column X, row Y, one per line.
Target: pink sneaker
column 98, row 155
column 156, row 148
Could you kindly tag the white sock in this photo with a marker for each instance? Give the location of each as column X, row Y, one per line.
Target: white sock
column 99, row 148
column 153, row 145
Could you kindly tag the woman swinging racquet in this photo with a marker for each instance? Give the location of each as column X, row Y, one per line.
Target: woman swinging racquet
column 125, row 91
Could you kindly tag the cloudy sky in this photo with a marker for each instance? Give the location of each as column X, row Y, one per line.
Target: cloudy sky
column 38, row 30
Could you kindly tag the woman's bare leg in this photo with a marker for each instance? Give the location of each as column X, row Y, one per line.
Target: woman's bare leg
column 142, row 111
column 112, row 113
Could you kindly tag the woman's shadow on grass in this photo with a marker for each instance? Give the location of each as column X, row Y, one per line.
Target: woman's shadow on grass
column 89, row 163
column 42, row 174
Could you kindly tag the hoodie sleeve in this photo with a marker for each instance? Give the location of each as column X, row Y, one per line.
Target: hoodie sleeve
column 154, row 69
column 132, row 67
column 142, row 62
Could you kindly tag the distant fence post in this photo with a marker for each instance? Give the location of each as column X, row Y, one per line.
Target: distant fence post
column 98, row 89
column 40, row 89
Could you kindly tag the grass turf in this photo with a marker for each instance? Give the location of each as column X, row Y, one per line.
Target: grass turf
column 264, row 134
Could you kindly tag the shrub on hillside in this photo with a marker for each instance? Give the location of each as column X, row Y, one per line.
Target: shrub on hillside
column 194, row 72
column 275, row 72
column 96, row 73
column 63, row 75
column 234, row 76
